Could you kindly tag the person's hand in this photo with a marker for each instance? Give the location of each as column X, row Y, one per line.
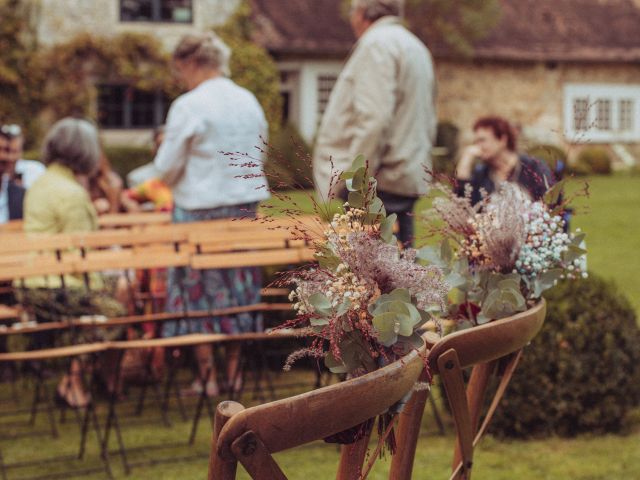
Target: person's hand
column 465, row 164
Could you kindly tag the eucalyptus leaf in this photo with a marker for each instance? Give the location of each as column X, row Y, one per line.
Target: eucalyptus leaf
column 318, row 321
column 358, row 181
column 336, row 366
column 320, row 303
column 432, row 256
column 387, row 326
column 545, row 281
column 386, row 228
column 356, row 200
column 552, row 196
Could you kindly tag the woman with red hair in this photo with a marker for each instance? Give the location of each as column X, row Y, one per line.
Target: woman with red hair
column 495, row 142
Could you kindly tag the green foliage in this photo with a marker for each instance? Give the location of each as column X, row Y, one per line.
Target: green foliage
column 447, row 142
column 551, row 154
column 251, row 65
column 288, row 164
column 582, row 372
column 69, row 70
column 125, row 159
column 20, row 99
column 456, row 23
column 593, row 160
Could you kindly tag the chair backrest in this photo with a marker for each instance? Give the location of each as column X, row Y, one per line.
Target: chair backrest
column 485, row 347
column 298, row 420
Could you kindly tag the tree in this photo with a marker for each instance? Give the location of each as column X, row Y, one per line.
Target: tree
column 251, row 65
column 455, row 24
column 19, row 101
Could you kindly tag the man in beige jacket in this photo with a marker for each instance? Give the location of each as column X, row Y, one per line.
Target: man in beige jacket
column 382, row 106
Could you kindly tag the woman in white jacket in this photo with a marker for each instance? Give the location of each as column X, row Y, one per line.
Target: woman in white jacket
column 214, row 118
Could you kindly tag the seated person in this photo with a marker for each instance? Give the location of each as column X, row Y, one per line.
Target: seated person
column 24, row 172
column 495, row 146
column 58, row 203
column 105, row 188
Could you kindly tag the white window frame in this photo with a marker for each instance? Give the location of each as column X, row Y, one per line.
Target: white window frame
column 593, row 92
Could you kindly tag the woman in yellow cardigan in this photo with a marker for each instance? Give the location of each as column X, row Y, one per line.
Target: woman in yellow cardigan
column 58, row 202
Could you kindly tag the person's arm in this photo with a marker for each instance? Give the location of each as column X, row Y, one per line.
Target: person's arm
column 374, row 100
column 173, row 154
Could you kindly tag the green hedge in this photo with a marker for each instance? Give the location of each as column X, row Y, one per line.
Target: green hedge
column 447, row 141
column 288, row 163
column 593, row 160
column 125, row 159
column 582, row 372
column 551, row 154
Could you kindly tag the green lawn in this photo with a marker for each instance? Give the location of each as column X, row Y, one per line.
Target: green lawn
column 585, row 458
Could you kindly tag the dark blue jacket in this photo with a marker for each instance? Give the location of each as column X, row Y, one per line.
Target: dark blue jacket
column 533, row 175
column 16, row 201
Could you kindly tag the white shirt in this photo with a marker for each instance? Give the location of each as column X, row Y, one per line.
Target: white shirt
column 208, row 131
column 29, row 171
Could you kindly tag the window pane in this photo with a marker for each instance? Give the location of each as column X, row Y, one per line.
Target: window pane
column 626, row 115
column 136, row 10
column 111, row 100
column 603, row 114
column 142, row 109
column 580, row 114
column 179, row 11
column 325, row 85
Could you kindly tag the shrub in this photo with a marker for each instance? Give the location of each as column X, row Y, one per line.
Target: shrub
column 447, row 141
column 582, row 372
column 551, row 154
column 593, row 160
column 125, row 159
column 288, row 164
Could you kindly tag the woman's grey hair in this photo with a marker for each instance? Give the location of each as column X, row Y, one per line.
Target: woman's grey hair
column 374, row 9
column 205, row 50
column 73, row 142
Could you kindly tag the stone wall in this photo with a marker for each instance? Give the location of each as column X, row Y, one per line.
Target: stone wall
column 59, row 20
column 530, row 95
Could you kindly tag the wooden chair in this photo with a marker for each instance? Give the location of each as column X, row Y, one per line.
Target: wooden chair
column 251, row 436
column 493, row 348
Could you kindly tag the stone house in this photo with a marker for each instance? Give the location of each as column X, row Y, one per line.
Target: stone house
column 567, row 73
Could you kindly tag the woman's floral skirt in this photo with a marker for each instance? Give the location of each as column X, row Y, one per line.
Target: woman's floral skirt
column 202, row 290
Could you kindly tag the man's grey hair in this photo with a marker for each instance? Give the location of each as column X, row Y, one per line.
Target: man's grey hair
column 374, row 9
column 74, row 143
column 205, row 50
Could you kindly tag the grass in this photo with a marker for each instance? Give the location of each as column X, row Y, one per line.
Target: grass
column 610, row 218
column 583, row 458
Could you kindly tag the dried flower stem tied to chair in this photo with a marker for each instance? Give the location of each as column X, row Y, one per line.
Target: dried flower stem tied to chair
column 365, row 299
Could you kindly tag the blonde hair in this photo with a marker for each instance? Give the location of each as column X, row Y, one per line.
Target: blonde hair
column 205, row 50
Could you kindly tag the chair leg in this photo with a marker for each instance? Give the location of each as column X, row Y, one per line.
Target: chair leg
column 352, row 458
column 451, row 373
column 255, row 458
column 407, row 436
column 476, row 389
column 220, row 469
